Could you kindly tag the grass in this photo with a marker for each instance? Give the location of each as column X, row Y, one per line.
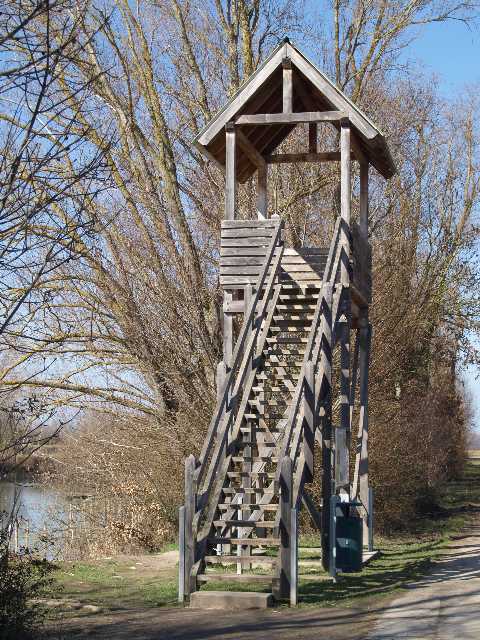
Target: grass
column 116, row 584
column 124, row 583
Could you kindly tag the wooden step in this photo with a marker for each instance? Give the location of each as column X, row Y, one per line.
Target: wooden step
column 250, row 474
column 235, row 577
column 255, row 443
column 249, row 491
column 285, row 340
column 282, row 364
column 252, row 459
column 305, row 318
column 225, row 506
column 246, row 524
column 241, row 559
column 295, row 305
column 245, row 542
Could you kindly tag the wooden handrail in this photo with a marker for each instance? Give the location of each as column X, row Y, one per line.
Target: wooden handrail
column 241, row 355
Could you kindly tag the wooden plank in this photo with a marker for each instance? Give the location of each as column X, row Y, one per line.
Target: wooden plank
column 300, row 269
column 243, row 251
column 190, row 508
column 247, row 233
column 286, row 486
column 290, row 118
column 285, row 158
column 230, row 172
column 287, row 86
column 270, row 223
column 231, row 261
column 245, row 242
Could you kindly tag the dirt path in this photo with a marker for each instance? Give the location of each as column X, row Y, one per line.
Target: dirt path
column 443, row 606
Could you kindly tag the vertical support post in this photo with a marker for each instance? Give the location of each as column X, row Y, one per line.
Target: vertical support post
column 309, row 419
column 360, row 480
column 190, row 508
column 326, row 421
column 287, row 86
column 345, row 198
column 262, row 193
column 181, row 554
column 312, row 137
column 346, row 170
column 285, row 526
column 230, row 171
column 294, row 558
column 364, row 198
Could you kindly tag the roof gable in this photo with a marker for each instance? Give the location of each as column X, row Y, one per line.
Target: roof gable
column 312, row 91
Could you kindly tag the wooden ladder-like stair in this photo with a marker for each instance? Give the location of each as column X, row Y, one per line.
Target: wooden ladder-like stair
column 243, row 546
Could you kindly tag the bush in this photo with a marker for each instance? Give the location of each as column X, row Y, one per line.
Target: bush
column 23, row 579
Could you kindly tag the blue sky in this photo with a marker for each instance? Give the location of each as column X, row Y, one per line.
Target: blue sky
column 452, row 52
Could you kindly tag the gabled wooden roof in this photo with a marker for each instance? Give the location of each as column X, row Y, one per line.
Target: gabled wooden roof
column 312, row 91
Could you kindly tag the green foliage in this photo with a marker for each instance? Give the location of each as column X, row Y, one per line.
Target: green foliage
column 23, row 579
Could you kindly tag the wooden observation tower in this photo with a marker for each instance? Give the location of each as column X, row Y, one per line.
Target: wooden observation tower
column 279, row 375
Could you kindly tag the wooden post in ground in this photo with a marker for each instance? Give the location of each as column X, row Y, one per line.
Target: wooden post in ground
column 360, row 480
column 190, row 508
column 286, row 481
column 326, row 426
column 294, row 557
column 181, row 554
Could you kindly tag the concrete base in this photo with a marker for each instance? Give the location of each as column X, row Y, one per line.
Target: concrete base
column 231, row 600
column 369, row 555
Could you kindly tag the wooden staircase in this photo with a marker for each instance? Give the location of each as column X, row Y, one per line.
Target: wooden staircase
column 248, row 515
column 242, row 496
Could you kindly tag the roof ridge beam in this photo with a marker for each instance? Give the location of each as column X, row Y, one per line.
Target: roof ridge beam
column 291, row 118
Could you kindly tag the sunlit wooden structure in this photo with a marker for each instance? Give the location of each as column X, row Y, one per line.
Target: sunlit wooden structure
column 275, row 397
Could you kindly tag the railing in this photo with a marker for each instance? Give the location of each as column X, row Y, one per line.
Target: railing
column 204, row 480
column 245, row 348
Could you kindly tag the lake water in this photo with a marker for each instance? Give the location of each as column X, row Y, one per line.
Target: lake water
column 39, row 511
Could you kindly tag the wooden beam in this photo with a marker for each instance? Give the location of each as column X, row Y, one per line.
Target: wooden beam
column 290, row 118
column 249, row 150
column 287, row 86
column 346, row 171
column 230, row 172
column 364, row 198
column 285, row 158
column 262, row 192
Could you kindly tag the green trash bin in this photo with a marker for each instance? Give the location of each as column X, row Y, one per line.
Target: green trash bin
column 349, row 539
